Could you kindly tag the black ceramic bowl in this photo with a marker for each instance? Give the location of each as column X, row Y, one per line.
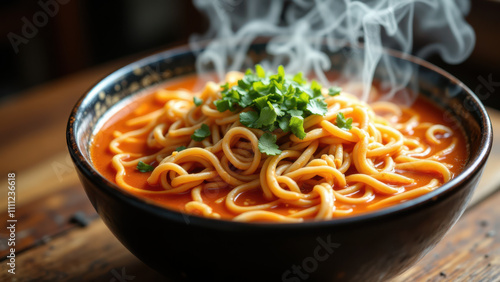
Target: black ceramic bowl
column 369, row 247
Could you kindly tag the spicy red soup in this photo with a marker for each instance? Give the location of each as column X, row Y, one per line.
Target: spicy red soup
column 189, row 154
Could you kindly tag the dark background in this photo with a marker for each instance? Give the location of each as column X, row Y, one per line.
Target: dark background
column 82, row 34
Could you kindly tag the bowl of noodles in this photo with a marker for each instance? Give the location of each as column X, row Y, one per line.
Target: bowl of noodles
column 265, row 175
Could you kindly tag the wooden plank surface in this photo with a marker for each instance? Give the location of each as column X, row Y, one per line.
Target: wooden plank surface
column 34, row 122
column 84, row 254
column 51, row 246
column 469, row 252
column 47, row 216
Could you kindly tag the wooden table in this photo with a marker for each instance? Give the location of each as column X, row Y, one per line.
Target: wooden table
column 59, row 235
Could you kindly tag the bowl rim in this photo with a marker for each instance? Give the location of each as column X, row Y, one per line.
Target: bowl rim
column 108, row 187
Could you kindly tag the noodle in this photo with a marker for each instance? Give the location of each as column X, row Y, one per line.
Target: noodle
column 322, row 176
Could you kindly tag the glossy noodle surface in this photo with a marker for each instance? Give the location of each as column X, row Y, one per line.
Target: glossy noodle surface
column 390, row 155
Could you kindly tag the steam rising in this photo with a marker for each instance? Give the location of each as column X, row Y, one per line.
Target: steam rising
column 302, row 31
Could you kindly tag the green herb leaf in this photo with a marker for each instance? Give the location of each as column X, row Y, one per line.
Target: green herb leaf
column 222, row 105
column 279, row 112
column 317, row 107
column 180, row 148
column 275, row 101
column 245, row 101
column 297, row 126
column 342, row 122
column 225, row 87
column 260, row 71
column 316, row 89
column 334, row 91
column 281, row 71
column 261, row 102
column 249, row 118
column 284, row 125
column 267, row 144
column 143, row 167
column 197, row 101
column 295, row 113
column 299, row 79
column 201, row 133
column 267, row 117
column 302, row 100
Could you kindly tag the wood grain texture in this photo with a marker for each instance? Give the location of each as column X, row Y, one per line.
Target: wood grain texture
column 84, row 254
column 34, row 122
column 48, row 216
column 469, row 252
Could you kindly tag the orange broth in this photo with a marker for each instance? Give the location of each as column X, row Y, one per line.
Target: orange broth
column 143, row 104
